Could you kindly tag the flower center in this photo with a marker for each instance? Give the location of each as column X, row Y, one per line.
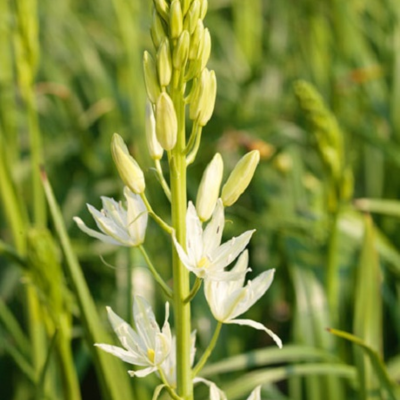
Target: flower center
column 150, row 355
column 204, row 263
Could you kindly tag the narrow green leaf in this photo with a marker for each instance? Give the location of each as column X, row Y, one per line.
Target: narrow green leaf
column 376, row 360
column 379, row 206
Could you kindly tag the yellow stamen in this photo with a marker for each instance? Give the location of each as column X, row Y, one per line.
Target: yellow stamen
column 150, row 355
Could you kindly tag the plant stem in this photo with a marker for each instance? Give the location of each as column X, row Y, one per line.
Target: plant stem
column 167, row 290
column 177, row 163
column 162, row 180
column 208, row 350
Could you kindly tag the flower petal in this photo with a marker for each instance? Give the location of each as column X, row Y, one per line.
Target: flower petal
column 255, row 394
column 142, row 372
column 97, row 235
column 213, row 232
column 254, row 290
column 121, row 353
column 226, row 253
column 215, row 392
column 194, row 234
column 256, row 325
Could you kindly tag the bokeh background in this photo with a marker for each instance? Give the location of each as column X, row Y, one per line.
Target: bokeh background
column 314, row 86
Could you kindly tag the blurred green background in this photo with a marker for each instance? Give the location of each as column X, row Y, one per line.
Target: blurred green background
column 315, row 86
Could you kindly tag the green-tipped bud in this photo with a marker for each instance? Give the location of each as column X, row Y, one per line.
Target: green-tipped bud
column 240, row 178
column 181, row 51
column 128, row 169
column 166, row 122
column 150, row 77
column 208, row 100
column 155, row 149
column 157, row 30
column 197, row 93
column 175, row 19
column 192, row 17
column 203, row 8
column 162, row 8
column 210, row 184
column 164, row 63
column 196, row 40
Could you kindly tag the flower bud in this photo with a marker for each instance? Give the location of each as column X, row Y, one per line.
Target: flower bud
column 185, row 6
column 203, row 8
column 208, row 100
column 157, row 30
column 240, row 177
column 166, row 122
column 162, row 8
column 198, row 91
column 210, row 184
column 205, row 49
column 175, row 19
column 164, row 63
column 192, row 17
column 196, row 40
column 127, row 167
column 150, row 77
column 181, row 51
column 155, row 149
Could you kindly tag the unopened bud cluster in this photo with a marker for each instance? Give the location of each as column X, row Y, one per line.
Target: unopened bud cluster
column 182, row 47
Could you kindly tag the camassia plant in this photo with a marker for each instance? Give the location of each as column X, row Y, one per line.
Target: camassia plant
column 177, row 81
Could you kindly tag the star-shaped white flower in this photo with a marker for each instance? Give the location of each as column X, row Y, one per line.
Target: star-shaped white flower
column 204, row 255
column 228, row 298
column 148, row 346
column 120, row 226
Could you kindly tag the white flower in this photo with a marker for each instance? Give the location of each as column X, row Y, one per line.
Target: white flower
column 119, row 226
column 169, row 364
column 148, row 346
column 217, row 394
column 228, row 298
column 204, row 255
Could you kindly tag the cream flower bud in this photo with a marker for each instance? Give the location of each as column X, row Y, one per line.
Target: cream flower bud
column 185, row 6
column 157, row 30
column 210, row 185
column 205, row 49
column 192, row 17
column 162, row 8
column 166, row 122
column 155, row 149
column 128, row 169
column 197, row 94
column 208, row 101
column 181, row 51
column 240, row 177
column 175, row 19
column 203, row 8
column 150, row 77
column 164, row 63
column 196, row 40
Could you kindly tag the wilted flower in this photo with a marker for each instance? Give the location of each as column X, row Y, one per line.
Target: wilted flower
column 148, row 346
column 120, row 226
column 228, row 298
column 204, row 255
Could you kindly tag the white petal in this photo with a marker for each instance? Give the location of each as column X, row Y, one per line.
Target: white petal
column 142, row 372
column 215, row 392
column 226, row 253
column 254, row 290
column 124, row 355
column 213, row 232
column 256, row 325
column 187, row 262
column 255, row 394
column 137, row 217
column 194, row 234
column 91, row 232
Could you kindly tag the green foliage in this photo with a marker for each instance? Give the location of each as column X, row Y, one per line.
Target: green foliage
column 71, row 75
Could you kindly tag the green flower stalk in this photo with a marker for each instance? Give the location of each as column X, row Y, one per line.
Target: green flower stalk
column 182, row 48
